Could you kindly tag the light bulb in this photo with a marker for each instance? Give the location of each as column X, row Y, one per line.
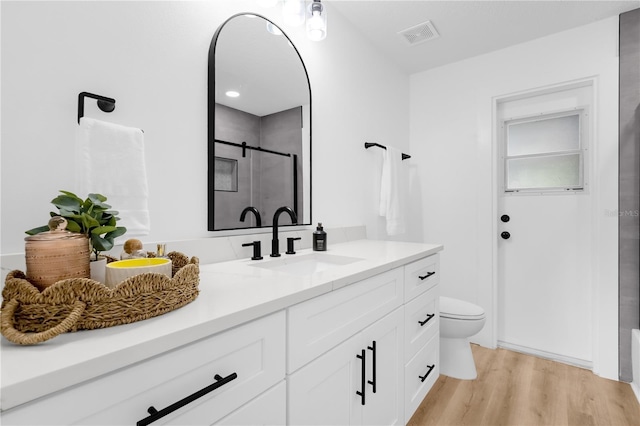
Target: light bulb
column 316, row 21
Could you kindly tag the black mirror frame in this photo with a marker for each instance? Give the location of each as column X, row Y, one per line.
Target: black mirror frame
column 211, row 101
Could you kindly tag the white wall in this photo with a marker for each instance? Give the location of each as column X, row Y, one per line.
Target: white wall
column 152, row 58
column 451, row 135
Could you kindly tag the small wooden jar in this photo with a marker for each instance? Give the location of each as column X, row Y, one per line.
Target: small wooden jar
column 56, row 255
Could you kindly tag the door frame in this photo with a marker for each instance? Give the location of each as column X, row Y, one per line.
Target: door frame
column 496, row 174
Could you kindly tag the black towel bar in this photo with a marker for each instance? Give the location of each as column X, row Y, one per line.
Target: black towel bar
column 368, row 145
column 104, row 103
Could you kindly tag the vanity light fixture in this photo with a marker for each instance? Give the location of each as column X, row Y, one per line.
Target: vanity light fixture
column 232, row 94
column 316, row 21
column 293, row 12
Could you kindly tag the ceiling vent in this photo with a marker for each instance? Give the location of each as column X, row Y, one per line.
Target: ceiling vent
column 419, row 33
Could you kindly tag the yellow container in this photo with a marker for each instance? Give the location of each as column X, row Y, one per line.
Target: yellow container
column 119, row 271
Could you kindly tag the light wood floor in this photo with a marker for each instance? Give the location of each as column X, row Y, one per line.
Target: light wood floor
column 518, row 389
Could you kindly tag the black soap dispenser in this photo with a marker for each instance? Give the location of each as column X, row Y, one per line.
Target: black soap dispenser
column 319, row 239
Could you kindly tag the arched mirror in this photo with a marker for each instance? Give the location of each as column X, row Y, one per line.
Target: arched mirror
column 259, row 121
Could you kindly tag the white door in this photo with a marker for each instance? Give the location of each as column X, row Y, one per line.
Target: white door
column 544, row 225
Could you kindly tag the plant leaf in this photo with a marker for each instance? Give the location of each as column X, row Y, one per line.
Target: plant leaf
column 37, row 230
column 102, row 230
column 100, row 244
column 89, row 221
column 67, row 203
column 73, row 226
column 120, row 230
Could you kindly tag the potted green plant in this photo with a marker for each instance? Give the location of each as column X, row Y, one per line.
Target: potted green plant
column 91, row 217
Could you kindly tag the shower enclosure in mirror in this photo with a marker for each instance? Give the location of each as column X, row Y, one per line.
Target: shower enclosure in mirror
column 259, row 118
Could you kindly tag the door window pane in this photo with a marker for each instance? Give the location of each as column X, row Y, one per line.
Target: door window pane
column 558, row 171
column 546, row 135
column 544, row 153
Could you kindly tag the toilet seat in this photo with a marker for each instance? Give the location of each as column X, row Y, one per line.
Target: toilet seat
column 460, row 310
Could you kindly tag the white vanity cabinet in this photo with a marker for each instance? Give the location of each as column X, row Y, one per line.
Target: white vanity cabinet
column 352, row 346
column 381, row 333
column 213, row 376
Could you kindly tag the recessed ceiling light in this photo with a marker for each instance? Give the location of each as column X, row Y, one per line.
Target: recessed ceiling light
column 232, row 94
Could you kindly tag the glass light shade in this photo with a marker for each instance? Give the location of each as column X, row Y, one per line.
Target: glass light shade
column 316, row 21
column 293, row 12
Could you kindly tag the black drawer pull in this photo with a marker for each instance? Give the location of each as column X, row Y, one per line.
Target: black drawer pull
column 363, row 379
column 424, row 277
column 156, row 415
column 372, row 348
column 429, row 316
column 423, row 378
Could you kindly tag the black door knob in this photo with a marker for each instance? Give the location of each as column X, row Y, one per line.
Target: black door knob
column 505, row 235
column 505, row 218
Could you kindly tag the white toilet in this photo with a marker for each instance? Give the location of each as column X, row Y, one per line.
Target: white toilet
column 459, row 320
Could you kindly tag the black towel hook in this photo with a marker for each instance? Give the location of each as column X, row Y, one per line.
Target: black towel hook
column 105, row 104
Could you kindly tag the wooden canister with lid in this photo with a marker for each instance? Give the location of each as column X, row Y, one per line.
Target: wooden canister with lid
column 56, row 255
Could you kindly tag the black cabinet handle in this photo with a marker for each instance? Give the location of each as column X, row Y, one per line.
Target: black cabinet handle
column 424, row 277
column 429, row 316
column 373, row 349
column 423, row 378
column 364, row 372
column 156, row 415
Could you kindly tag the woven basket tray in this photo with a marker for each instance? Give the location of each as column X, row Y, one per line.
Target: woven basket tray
column 29, row 316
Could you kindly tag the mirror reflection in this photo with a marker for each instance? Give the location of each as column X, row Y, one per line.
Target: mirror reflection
column 259, row 126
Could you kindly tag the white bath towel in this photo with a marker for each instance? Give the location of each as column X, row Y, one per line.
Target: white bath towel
column 393, row 185
column 110, row 161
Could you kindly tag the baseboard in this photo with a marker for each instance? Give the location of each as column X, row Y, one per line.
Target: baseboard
column 635, row 362
column 577, row 362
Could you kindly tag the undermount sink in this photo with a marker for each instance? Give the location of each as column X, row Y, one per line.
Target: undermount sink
column 306, row 264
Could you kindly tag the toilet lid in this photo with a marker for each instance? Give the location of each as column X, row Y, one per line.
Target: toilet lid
column 459, row 309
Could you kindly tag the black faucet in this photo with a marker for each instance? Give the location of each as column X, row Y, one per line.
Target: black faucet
column 255, row 212
column 275, row 244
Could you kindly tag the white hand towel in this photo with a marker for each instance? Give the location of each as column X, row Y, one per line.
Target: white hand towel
column 110, row 161
column 392, row 189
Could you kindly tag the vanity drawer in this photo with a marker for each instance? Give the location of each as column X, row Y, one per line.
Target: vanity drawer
column 420, row 276
column 252, row 353
column 319, row 324
column 421, row 321
column 416, row 385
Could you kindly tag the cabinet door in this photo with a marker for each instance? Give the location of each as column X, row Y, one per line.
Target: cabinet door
column 384, row 342
column 267, row 409
column 324, row 391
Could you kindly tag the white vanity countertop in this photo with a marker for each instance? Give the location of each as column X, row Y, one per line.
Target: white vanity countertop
column 231, row 293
